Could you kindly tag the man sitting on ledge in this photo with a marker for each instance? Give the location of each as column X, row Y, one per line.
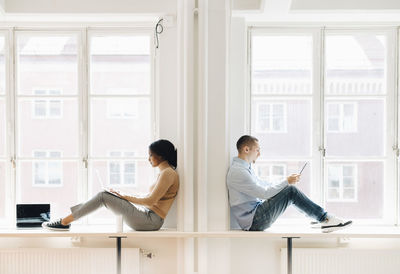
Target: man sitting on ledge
column 256, row 208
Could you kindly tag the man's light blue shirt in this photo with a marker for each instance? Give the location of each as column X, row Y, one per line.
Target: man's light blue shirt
column 246, row 192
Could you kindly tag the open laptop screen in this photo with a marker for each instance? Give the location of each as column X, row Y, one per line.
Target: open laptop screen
column 32, row 215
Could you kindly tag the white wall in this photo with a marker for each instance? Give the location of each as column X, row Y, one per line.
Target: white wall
column 237, row 91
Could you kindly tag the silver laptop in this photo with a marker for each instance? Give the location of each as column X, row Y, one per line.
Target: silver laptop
column 103, row 186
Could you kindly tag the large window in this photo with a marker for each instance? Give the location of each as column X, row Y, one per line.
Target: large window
column 83, row 104
column 356, row 70
column 47, row 125
column 281, row 103
column 120, row 98
column 337, row 91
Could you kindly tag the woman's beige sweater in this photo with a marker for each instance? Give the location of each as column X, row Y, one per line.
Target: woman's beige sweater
column 162, row 193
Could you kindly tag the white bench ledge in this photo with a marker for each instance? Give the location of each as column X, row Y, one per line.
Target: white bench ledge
column 273, row 232
column 307, row 232
column 89, row 231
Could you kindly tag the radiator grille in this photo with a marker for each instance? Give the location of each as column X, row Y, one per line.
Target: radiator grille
column 67, row 261
column 343, row 261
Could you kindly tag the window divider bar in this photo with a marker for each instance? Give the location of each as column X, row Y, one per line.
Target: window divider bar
column 396, row 124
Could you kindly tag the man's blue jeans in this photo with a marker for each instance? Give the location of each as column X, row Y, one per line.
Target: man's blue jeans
column 269, row 210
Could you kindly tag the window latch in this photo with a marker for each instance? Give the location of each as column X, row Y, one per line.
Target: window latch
column 12, row 160
column 85, row 162
column 322, row 150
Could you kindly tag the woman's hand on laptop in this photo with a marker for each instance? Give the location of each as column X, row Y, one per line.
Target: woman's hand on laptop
column 119, row 194
column 116, row 192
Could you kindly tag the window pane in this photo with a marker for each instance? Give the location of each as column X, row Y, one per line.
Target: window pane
column 40, row 108
column 54, row 154
column 349, row 194
column 2, row 128
column 280, row 141
column 333, row 124
column 362, row 135
column 333, row 109
column 278, row 171
column 129, row 172
column 45, row 62
column 355, row 64
column 2, row 67
column 48, row 134
column 55, row 108
column 281, row 64
column 127, row 135
column 333, row 194
column 60, row 198
column 39, row 154
column 145, row 178
column 333, row 183
column 55, row 173
column 364, row 199
column 40, row 173
column 120, row 64
column 114, row 167
column 115, row 173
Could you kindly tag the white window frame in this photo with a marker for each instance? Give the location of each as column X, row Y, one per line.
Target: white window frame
column 270, row 116
column 122, row 160
column 341, row 184
column 47, row 102
column 47, row 160
column 341, row 117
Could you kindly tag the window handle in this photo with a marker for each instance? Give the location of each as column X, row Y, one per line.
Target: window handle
column 85, row 162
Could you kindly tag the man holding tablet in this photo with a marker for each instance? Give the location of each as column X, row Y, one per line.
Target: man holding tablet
column 256, row 207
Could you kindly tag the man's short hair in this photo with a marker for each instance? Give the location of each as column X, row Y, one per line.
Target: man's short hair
column 245, row 140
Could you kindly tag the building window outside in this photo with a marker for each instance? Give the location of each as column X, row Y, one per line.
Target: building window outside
column 47, row 108
column 342, row 183
column 122, row 172
column 47, row 173
column 342, row 117
column 270, row 172
column 271, row 118
column 122, row 109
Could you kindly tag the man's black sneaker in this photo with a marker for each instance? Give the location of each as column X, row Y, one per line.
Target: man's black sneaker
column 55, row 225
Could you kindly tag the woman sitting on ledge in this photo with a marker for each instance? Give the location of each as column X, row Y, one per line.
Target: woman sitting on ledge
column 162, row 154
